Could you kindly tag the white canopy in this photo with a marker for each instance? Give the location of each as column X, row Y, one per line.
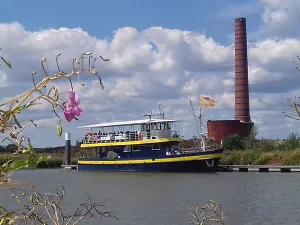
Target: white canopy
column 127, row 123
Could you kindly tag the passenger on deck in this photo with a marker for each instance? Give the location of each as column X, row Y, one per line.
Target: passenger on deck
column 95, row 138
column 90, row 137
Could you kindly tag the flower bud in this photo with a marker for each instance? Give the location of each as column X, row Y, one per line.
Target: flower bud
column 94, row 72
column 59, row 128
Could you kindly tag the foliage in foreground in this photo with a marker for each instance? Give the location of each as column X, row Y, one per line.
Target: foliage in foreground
column 48, row 208
column 208, row 214
column 11, row 127
column 55, row 161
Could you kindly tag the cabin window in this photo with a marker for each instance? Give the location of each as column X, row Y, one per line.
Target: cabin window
column 168, row 125
column 155, row 147
column 163, row 126
column 155, row 126
column 136, row 148
column 147, row 127
column 127, row 149
column 158, row 126
column 117, row 149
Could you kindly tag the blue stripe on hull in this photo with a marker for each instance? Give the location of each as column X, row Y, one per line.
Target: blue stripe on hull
column 186, row 166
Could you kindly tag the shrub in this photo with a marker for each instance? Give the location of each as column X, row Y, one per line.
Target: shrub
column 292, row 142
column 266, row 146
column 234, row 142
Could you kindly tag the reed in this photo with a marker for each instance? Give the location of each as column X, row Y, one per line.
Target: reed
column 255, row 157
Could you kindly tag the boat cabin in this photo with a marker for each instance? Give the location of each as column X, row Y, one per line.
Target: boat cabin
column 131, row 139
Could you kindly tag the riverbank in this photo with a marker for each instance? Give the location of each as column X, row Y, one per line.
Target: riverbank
column 258, row 157
column 55, row 161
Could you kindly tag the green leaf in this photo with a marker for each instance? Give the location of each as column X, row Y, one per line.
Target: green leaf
column 30, row 147
column 18, row 164
column 6, row 62
column 16, row 121
column 59, row 128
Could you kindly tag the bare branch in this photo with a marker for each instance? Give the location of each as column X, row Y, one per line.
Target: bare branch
column 45, row 207
column 210, row 213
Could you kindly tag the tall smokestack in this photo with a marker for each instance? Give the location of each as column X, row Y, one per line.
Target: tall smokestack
column 242, row 111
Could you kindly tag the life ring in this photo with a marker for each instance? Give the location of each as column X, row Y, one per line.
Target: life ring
column 140, row 137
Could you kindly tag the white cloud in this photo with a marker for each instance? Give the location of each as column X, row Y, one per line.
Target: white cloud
column 3, row 78
column 148, row 67
column 281, row 16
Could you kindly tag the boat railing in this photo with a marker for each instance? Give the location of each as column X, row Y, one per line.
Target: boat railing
column 198, row 149
column 130, row 136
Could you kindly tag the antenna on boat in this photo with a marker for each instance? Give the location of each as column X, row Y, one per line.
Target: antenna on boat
column 160, row 113
column 149, row 115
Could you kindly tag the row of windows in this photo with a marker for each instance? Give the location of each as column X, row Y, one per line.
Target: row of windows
column 157, row 126
column 136, row 148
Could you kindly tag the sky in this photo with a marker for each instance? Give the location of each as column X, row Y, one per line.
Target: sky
column 161, row 52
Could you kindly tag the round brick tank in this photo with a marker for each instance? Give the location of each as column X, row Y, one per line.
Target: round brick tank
column 220, row 129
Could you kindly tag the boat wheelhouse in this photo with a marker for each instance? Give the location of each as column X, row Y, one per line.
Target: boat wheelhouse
column 141, row 145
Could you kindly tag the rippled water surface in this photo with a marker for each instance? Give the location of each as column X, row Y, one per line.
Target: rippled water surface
column 156, row 198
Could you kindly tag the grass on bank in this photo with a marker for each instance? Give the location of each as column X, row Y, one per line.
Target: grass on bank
column 55, row 161
column 239, row 151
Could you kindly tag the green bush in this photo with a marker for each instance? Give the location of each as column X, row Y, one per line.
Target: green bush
column 50, row 163
column 234, row 142
column 265, row 146
column 292, row 142
column 254, row 157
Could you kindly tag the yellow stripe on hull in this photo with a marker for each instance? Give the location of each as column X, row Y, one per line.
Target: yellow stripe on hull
column 124, row 143
column 141, row 161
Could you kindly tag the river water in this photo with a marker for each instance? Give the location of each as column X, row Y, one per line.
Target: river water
column 156, row 198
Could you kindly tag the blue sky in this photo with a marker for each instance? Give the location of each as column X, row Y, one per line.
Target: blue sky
column 100, row 18
column 193, row 54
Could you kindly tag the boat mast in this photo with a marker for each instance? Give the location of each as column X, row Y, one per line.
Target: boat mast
column 200, row 116
column 196, row 122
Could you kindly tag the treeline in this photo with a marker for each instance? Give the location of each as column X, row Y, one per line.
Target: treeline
column 50, row 150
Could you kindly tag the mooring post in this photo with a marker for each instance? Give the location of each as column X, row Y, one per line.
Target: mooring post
column 68, row 149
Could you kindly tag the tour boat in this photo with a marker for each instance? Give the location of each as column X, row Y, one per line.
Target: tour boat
column 147, row 145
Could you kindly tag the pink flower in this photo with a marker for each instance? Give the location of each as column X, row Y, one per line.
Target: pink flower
column 71, row 108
